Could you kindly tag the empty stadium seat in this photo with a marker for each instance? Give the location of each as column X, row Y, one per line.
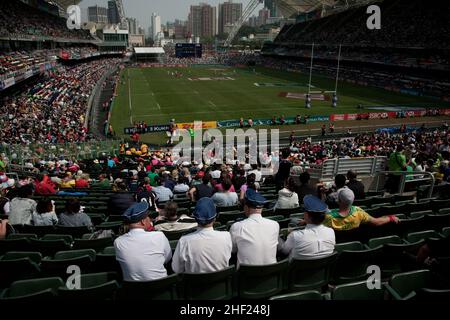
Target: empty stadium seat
column 422, row 235
column 404, row 286
column 310, row 274
column 209, row 286
column 305, row 295
column 357, row 291
column 261, row 282
column 34, row 289
column 94, row 286
column 161, row 289
column 18, row 266
column 57, row 266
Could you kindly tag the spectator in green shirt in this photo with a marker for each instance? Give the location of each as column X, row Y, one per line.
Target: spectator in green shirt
column 2, row 165
column 103, row 183
column 397, row 162
column 152, row 175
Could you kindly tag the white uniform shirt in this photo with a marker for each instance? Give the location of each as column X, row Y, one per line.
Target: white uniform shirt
column 142, row 255
column 255, row 239
column 205, row 250
column 315, row 241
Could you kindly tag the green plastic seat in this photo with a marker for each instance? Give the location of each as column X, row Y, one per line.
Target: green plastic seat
column 446, row 232
column 227, row 209
column 422, row 235
column 417, row 214
column 161, row 289
column 305, row 295
column 376, row 242
column 34, row 289
column 95, row 244
column 36, row 257
column 66, row 237
column 311, row 274
column 351, row 265
column 357, row 291
column 209, row 286
column 276, row 218
column 15, row 245
column 436, row 221
column 261, row 282
column 94, row 286
column 224, row 217
column 109, row 250
column 444, row 211
column 49, row 247
column 404, row 286
column 15, row 267
column 15, row 236
column 176, row 235
column 63, row 259
column 75, row 232
column 354, row 245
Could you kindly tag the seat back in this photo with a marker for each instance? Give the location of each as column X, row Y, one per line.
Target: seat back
column 352, row 265
column 261, row 282
column 409, row 282
column 98, row 286
column 422, row 235
column 376, row 242
column 95, row 244
column 310, row 274
column 161, row 289
column 35, row 289
column 306, row 295
column 209, row 286
column 356, row 291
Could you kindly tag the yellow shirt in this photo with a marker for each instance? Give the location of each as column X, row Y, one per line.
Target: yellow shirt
column 356, row 217
column 67, row 184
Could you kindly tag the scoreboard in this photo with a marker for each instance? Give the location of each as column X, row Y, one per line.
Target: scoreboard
column 188, row 50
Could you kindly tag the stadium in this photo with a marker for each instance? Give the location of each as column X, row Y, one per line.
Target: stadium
column 115, row 184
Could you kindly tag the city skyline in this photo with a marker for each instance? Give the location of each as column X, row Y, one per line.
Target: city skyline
column 168, row 10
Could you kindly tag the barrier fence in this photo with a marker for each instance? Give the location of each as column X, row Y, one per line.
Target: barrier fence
column 20, row 154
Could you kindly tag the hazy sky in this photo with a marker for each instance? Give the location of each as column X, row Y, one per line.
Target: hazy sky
column 169, row 10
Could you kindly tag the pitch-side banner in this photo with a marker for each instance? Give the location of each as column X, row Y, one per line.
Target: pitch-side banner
column 205, row 125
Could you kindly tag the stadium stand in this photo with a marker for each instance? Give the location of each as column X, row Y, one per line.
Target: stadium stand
column 66, row 204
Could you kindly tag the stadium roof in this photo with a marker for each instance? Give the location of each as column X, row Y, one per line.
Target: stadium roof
column 293, row 7
column 149, row 50
column 64, row 3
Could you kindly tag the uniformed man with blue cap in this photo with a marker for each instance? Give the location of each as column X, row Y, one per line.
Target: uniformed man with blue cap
column 316, row 240
column 142, row 254
column 255, row 239
column 205, row 250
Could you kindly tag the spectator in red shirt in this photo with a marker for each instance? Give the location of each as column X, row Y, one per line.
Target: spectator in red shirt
column 82, row 182
column 44, row 186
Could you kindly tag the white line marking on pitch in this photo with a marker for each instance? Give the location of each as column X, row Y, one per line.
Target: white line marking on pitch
column 212, row 103
column 129, row 97
column 159, row 107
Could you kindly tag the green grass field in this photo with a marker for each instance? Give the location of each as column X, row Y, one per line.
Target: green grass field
column 150, row 94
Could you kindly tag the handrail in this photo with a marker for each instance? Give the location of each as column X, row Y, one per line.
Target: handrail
column 403, row 180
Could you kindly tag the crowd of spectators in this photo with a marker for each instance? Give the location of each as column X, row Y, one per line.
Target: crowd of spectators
column 53, row 108
column 18, row 19
column 396, row 81
column 404, row 23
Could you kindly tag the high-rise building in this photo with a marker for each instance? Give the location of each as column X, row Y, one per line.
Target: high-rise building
column 155, row 26
column 229, row 13
column 180, row 29
column 113, row 13
column 272, row 6
column 202, row 21
column 132, row 26
column 263, row 16
column 98, row 14
column 253, row 21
